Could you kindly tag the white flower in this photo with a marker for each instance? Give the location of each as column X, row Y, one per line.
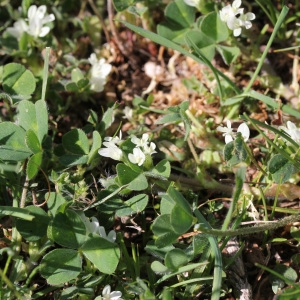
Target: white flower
column 229, row 15
column 99, row 72
column 94, row 227
column 150, row 149
column 230, row 135
column 111, row 151
column 108, row 295
column 19, row 28
column 246, row 18
column 192, row 2
column 140, row 142
column 292, row 131
column 128, row 113
column 117, row 140
column 235, row 24
column 138, row 156
column 36, row 21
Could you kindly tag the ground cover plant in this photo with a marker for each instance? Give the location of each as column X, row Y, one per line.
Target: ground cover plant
column 149, row 149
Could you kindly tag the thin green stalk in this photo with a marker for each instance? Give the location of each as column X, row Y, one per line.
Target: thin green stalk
column 251, row 230
column 45, row 73
column 217, row 279
column 280, row 20
column 240, row 177
column 10, row 285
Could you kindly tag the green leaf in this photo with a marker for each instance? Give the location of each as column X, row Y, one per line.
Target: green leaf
column 287, row 276
column 179, row 18
column 68, row 230
column 169, row 118
column 229, row 54
column 73, row 159
column 175, row 259
column 60, row 266
column 180, row 220
column 41, row 119
column 16, row 212
column 121, row 5
column 179, row 200
column 95, row 146
column 34, row 164
column 76, row 75
column 139, row 183
column 12, row 143
column 55, row 200
column 32, row 141
column 163, row 231
column 203, row 42
column 34, row 117
column 158, row 268
column 102, row 253
column 213, row 27
column 35, row 229
column 163, row 168
column 280, row 168
column 133, row 205
column 76, row 142
column 17, row 81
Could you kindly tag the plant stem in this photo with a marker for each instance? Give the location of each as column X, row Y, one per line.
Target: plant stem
column 280, row 20
column 251, row 230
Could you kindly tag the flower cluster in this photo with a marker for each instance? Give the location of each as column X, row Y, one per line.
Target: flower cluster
column 141, row 150
column 99, row 72
column 139, row 154
column 112, row 149
column 229, row 15
column 230, row 135
column 34, row 24
column 107, row 294
column 93, row 226
column 292, row 130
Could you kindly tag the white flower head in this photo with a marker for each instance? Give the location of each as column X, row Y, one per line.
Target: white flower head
column 292, row 130
column 140, row 142
column 112, row 151
column 93, row 226
column 35, row 23
column 137, row 157
column 229, row 135
column 37, row 20
column 150, row 149
column 117, row 140
column 99, row 72
column 229, row 14
column 107, row 294
column 192, row 2
column 246, row 18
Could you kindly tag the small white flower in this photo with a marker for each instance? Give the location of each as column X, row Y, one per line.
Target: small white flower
column 99, row 72
column 36, row 21
column 230, row 135
column 137, row 157
column 19, row 28
column 128, row 113
column 107, row 294
column 292, row 131
column 140, row 142
column 229, row 15
column 227, row 132
column 93, row 226
column 117, row 140
column 150, row 149
column 111, row 151
column 192, row 2
column 235, row 24
column 246, row 18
